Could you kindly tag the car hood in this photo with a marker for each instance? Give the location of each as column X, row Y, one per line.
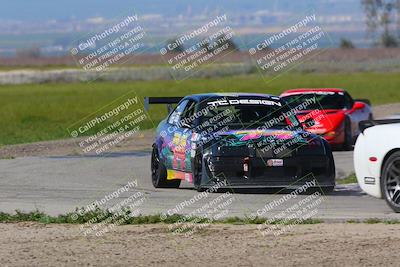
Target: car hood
column 244, row 137
column 325, row 120
column 266, row 143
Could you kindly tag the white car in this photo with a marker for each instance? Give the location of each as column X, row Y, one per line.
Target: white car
column 377, row 160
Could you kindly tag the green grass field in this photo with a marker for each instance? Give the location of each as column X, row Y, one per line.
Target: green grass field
column 36, row 112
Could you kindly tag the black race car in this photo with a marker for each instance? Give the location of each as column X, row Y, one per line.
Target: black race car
column 243, row 140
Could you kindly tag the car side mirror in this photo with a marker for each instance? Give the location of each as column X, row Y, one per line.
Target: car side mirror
column 309, row 122
column 359, row 105
column 186, row 125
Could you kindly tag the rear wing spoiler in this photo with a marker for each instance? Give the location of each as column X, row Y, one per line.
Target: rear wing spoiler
column 162, row 100
column 363, row 125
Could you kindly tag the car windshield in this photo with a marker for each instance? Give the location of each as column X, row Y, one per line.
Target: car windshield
column 249, row 113
column 317, row 100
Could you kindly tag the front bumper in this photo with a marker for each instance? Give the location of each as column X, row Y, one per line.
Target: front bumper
column 334, row 136
column 296, row 171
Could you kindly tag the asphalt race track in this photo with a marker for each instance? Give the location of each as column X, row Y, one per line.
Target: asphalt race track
column 58, row 185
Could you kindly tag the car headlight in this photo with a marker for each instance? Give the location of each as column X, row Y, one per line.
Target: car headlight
column 331, row 134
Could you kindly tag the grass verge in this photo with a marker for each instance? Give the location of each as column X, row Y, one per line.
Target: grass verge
column 351, row 179
column 374, row 221
column 40, row 112
column 79, row 217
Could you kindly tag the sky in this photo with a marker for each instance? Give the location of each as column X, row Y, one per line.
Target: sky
column 28, row 10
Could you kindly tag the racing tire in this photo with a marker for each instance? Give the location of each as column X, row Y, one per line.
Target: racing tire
column 332, row 170
column 348, row 136
column 159, row 173
column 390, row 181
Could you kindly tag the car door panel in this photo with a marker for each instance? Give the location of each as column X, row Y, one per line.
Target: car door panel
column 171, row 137
column 179, row 141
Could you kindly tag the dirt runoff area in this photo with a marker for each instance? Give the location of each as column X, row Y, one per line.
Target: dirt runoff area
column 335, row 244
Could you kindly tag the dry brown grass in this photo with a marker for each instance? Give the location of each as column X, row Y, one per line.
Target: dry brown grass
column 328, row 55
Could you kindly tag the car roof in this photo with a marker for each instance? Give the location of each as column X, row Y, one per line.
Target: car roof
column 201, row 97
column 303, row 90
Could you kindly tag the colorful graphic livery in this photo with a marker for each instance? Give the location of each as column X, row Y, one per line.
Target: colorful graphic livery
column 242, row 140
column 335, row 114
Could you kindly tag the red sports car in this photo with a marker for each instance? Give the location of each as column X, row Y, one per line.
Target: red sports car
column 330, row 112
